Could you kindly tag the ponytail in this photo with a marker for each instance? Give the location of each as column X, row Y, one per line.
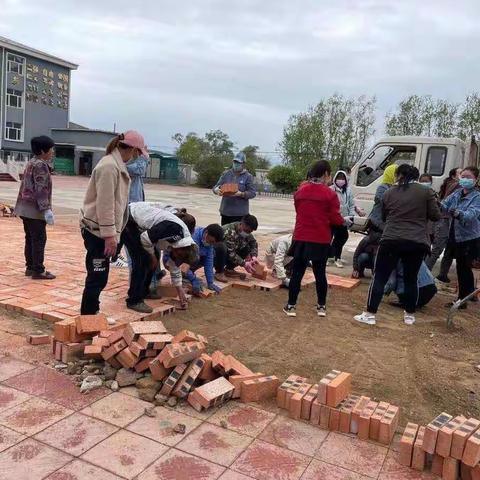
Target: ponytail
column 406, row 174
column 116, row 142
column 187, row 219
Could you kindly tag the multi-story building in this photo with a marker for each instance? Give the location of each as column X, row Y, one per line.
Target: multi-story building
column 34, row 96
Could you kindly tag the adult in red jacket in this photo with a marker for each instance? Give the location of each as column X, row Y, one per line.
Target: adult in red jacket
column 318, row 209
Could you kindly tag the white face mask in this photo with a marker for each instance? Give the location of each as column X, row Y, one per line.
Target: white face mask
column 340, row 183
column 244, row 234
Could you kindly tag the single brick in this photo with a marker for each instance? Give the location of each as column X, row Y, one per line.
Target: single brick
column 339, row 389
column 101, row 341
column 71, row 351
column 406, row 444
column 76, row 337
column 38, row 339
column 356, row 412
column 189, row 376
column 114, row 363
column 91, row 323
column 364, row 420
column 259, row 389
column 115, row 336
column 92, row 351
column 235, row 367
column 325, row 413
column 334, row 420
column 218, row 362
column 192, row 400
column 136, row 349
column 150, row 353
column 61, row 330
column 188, row 336
column 445, row 435
column 475, row 472
column 315, row 412
column 213, row 393
column 297, row 399
column 106, row 333
column 282, row 390
column 419, row 454
column 466, row 472
column 437, row 465
column 471, row 454
column 388, row 425
column 346, row 409
column 58, row 350
column 460, row 436
column 229, row 188
column 237, row 380
column 291, row 392
column 135, row 329
column 208, row 373
column 113, row 349
column 159, row 372
column 260, row 271
column 451, row 469
column 431, row 431
column 307, row 402
column 156, row 341
column 127, row 358
column 178, row 353
column 376, row 418
column 143, row 364
column 324, row 382
column 172, row 379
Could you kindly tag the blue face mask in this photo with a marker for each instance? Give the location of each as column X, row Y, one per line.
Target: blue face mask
column 426, row 184
column 237, row 167
column 467, row 183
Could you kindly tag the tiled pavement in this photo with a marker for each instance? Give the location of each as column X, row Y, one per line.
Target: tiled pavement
column 48, row 430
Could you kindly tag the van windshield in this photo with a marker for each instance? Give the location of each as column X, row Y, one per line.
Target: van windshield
column 379, row 159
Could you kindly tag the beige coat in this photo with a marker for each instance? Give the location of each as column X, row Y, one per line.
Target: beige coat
column 105, row 207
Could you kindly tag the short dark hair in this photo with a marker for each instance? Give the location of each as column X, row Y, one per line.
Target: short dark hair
column 188, row 220
column 41, row 144
column 319, row 169
column 426, row 175
column 472, row 169
column 453, row 172
column 250, row 221
column 407, row 173
column 215, row 231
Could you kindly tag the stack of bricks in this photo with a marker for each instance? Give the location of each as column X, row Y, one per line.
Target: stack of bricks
column 331, row 405
column 448, row 446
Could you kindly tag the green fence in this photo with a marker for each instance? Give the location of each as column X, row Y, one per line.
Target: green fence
column 64, row 166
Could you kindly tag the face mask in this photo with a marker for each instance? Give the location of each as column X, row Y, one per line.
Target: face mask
column 237, row 167
column 467, row 183
column 244, row 234
column 340, row 183
column 426, row 184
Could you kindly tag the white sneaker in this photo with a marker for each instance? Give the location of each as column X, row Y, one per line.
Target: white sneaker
column 120, row 263
column 111, row 321
column 321, row 310
column 330, row 262
column 365, row 317
column 339, row 263
column 289, row 310
column 408, row 318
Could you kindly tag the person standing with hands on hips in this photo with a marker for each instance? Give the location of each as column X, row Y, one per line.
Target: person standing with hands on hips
column 34, row 206
column 234, row 207
column 105, row 213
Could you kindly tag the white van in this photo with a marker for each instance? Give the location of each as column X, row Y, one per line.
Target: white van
column 436, row 156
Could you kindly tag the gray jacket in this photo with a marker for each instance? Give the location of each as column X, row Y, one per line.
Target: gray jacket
column 237, row 206
column 375, row 216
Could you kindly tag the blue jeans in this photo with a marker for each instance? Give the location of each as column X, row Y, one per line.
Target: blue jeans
column 365, row 260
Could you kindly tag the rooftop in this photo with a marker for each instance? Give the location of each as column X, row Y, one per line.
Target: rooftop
column 20, row 48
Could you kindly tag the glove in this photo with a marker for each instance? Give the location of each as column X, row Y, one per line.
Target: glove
column 214, row 288
column 239, row 194
column 49, row 218
column 348, row 221
column 286, row 282
column 250, row 266
column 217, row 191
column 196, row 286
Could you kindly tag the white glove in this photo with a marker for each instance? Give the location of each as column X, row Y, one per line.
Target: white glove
column 217, row 191
column 49, row 218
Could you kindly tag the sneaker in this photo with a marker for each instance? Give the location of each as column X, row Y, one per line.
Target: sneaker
column 365, row 317
column 120, row 263
column 28, row 272
column 339, row 263
column 443, row 279
column 330, row 262
column 221, row 277
column 408, row 318
column 321, row 310
column 140, row 307
column 43, row 276
column 290, row 310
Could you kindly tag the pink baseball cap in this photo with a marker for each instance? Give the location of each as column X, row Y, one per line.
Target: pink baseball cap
column 133, row 139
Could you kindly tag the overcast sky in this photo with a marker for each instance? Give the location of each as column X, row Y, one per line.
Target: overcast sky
column 244, row 66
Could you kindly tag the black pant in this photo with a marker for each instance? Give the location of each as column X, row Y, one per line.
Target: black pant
column 425, row 294
column 465, row 253
column 35, row 241
column 227, row 219
column 340, row 237
column 222, row 261
column 299, row 266
column 387, row 259
column 141, row 274
column 98, row 266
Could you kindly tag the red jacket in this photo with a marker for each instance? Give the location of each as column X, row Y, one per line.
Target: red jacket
column 317, row 208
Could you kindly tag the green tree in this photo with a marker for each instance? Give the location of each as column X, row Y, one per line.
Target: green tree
column 469, row 117
column 285, row 178
column 336, row 129
column 254, row 159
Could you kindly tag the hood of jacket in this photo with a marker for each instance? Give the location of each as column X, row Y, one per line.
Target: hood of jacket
column 334, row 185
column 389, row 174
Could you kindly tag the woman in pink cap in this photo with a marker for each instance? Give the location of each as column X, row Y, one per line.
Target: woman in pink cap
column 105, row 213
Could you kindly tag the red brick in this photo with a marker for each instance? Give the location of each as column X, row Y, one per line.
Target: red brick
column 159, row 372
column 291, row 391
column 356, row 412
column 38, row 339
column 207, row 373
column 115, row 336
column 192, row 400
column 451, row 469
column 297, row 399
column 106, row 333
column 288, row 383
column 92, row 351
column 237, row 380
column 76, row 337
column 471, row 454
column 189, row 376
column 156, row 341
column 114, row 363
column 143, row 364
column 218, row 362
column 376, row 418
column 334, row 420
column 437, row 465
column 188, row 336
column 466, row 472
column 475, row 473
column 388, row 425
column 364, row 420
column 307, row 402
column 431, row 431
column 325, row 413
column 445, row 435
column 167, row 291
column 315, row 412
column 419, row 454
column 127, row 358
column 58, row 350
column 260, row 271
column 91, row 323
column 406, row 444
column 346, row 409
column 339, row 389
column 71, row 351
column 235, row 367
column 113, row 349
column 324, row 382
column 175, row 354
column 101, row 341
column 135, row 329
column 213, row 393
column 229, row 188
column 172, row 379
column 460, row 436
column 136, row 349
column 259, row 389
column 61, row 330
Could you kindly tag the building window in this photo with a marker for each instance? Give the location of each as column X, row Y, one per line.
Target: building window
column 15, row 64
column 13, row 131
column 436, row 160
column 14, row 98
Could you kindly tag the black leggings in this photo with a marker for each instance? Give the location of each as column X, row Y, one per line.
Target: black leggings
column 340, row 237
column 425, row 294
column 387, row 259
column 299, row 266
column 465, row 254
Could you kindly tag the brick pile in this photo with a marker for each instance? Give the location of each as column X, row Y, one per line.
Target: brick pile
column 448, row 446
column 229, row 189
column 330, row 404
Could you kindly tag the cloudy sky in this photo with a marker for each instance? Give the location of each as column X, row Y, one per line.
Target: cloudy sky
column 244, row 66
